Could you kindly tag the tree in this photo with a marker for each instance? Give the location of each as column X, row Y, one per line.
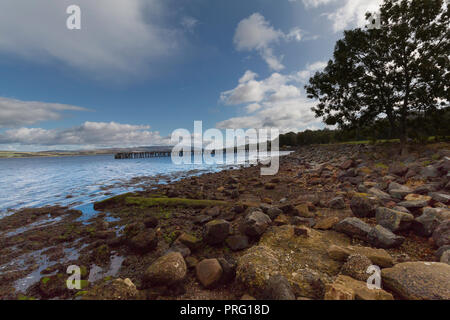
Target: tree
column 396, row 71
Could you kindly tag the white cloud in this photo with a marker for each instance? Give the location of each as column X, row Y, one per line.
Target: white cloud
column 256, row 33
column 349, row 13
column 277, row 101
column 15, row 113
column 189, row 23
column 116, row 38
column 98, row 134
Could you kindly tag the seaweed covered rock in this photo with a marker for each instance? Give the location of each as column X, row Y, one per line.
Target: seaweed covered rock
column 216, row 231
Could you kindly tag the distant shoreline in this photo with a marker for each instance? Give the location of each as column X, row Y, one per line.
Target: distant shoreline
column 26, row 155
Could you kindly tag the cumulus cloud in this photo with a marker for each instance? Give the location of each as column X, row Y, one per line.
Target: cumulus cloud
column 256, row 33
column 349, row 13
column 116, row 38
column 15, row 113
column 98, row 134
column 277, row 101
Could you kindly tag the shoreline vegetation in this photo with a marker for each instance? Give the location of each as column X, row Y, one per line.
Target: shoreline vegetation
column 309, row 232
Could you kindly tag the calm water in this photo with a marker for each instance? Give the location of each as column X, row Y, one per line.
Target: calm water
column 77, row 181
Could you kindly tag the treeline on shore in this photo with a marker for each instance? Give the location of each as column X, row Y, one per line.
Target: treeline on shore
column 434, row 126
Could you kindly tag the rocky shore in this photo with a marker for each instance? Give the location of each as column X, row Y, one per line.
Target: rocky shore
column 310, row 232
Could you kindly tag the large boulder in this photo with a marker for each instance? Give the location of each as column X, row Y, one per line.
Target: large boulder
column 256, row 223
column 418, row 280
column 209, row 272
column 167, row 270
column 303, row 261
column 364, row 205
column 394, row 220
column 441, row 235
column 347, row 288
column 430, row 219
column 381, row 237
column 354, row 228
column 216, row 231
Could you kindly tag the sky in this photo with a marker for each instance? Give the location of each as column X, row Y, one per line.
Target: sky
column 139, row 69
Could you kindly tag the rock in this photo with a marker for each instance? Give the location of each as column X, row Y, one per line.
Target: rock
column 270, row 186
column 274, row 212
column 326, row 223
column 117, row 289
column 445, row 257
column 209, row 272
column 381, row 237
column 356, row 267
column 237, row 242
column 202, row 219
column 429, row 172
column 299, row 221
column 256, row 223
column 229, row 269
column 418, row 280
column 430, row 219
column 439, row 252
column 413, row 205
column 177, row 246
column 166, row 270
column 191, row 262
column 151, row 222
column 247, row 297
column 133, row 229
column 144, row 242
column 347, row 288
column 337, row 203
column 380, row 194
column 440, row 197
column 364, row 205
column 216, row 231
column 379, row 257
column 301, row 231
column 278, row 288
column 441, row 235
column 53, row 286
column 347, row 164
column 189, row 241
column 398, row 169
column 281, row 220
column 354, row 228
column 393, row 220
column 303, row 261
column 303, row 211
column 417, row 197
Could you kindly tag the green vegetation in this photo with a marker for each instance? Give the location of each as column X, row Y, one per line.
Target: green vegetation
column 173, row 202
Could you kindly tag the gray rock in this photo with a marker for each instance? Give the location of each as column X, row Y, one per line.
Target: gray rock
column 394, row 220
column 274, row 212
column 229, row 269
column 445, row 258
column 381, row 237
column 216, row 231
column 429, row 172
column 256, row 223
column 353, row 227
column 166, row 270
column 177, row 246
column 363, row 205
column 414, row 204
column 278, row 288
column 300, row 221
column 430, row 219
column 441, row 235
column 380, row 194
column 237, row 242
column 441, row 250
column 337, row 203
column 440, row 197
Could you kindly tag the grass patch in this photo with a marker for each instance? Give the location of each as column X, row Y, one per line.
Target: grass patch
column 173, row 202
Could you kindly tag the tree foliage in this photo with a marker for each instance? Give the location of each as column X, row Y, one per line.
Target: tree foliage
column 398, row 72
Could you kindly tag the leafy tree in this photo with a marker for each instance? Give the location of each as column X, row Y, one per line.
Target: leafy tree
column 396, row 71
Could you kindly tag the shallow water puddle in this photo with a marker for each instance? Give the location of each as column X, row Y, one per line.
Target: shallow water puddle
column 97, row 273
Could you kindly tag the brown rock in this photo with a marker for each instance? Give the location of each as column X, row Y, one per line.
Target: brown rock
column 209, row 272
column 347, row 288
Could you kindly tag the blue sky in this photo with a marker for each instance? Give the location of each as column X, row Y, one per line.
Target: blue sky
column 139, row 69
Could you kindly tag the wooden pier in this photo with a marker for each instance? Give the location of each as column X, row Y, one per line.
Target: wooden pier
column 150, row 154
